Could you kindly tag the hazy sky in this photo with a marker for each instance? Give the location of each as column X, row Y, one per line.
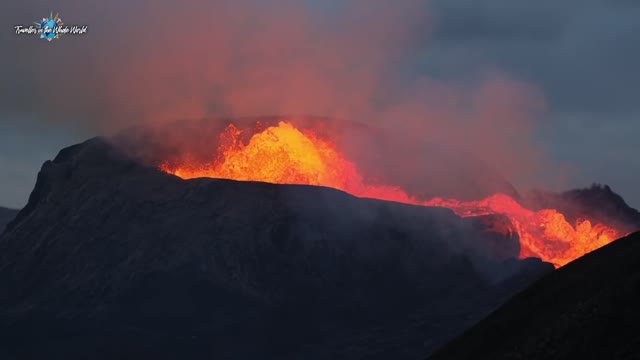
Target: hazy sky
column 582, row 57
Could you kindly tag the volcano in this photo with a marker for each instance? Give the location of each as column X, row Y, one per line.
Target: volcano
column 273, row 239
column 328, row 153
column 112, row 258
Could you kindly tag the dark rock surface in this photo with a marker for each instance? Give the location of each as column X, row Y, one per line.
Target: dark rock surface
column 6, row 215
column 585, row 310
column 114, row 260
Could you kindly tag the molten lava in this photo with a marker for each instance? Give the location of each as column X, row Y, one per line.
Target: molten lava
column 284, row 155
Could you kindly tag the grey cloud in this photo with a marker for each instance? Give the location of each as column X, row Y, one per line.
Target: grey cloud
column 603, row 151
column 585, row 58
column 583, row 54
column 470, row 22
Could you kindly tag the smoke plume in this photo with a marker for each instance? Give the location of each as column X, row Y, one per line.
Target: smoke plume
column 150, row 61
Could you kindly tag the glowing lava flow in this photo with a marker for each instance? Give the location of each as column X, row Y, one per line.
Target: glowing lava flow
column 284, row 155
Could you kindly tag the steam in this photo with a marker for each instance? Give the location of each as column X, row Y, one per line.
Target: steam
column 153, row 61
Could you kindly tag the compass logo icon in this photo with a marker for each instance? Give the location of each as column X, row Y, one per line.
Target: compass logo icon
column 49, row 28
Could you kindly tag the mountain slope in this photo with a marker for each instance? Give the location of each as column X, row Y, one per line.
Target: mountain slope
column 112, row 259
column 6, row 215
column 585, row 310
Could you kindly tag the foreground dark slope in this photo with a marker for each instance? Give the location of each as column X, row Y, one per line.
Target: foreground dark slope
column 110, row 259
column 588, row 309
column 6, row 215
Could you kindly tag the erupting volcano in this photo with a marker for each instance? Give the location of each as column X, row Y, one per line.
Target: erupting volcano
column 283, row 154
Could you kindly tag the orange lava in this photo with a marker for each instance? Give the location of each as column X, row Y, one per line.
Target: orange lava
column 284, row 155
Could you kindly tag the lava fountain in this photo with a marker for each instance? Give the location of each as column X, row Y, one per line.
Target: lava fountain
column 283, row 154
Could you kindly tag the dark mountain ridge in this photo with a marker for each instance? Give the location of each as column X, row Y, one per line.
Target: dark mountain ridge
column 114, row 259
column 598, row 203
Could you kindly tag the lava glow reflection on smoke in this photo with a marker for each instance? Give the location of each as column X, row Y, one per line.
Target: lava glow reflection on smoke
column 283, row 154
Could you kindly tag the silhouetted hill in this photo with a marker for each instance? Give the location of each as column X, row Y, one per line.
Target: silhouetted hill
column 6, row 215
column 585, row 310
column 598, row 202
column 114, row 260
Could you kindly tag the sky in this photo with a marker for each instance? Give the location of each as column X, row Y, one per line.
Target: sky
column 548, row 90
